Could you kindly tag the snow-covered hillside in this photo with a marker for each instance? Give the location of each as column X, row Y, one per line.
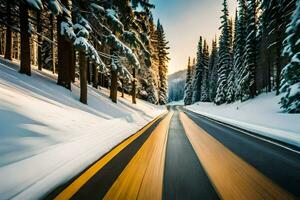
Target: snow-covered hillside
column 261, row 115
column 47, row 136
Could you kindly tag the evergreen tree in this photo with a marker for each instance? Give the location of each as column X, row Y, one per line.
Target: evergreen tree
column 110, row 29
column 231, row 87
column 188, row 85
column 162, row 60
column 153, row 44
column 290, row 84
column 275, row 16
column 240, row 43
column 205, row 74
column 213, row 68
column 231, row 34
column 248, row 79
column 197, row 80
column 152, row 95
column 224, row 62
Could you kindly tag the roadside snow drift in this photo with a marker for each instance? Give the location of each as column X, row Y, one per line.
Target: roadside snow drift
column 261, row 115
column 47, row 136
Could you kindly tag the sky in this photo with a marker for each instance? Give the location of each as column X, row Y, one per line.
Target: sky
column 184, row 21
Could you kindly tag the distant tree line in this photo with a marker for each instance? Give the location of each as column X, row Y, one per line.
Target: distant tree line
column 107, row 43
column 257, row 52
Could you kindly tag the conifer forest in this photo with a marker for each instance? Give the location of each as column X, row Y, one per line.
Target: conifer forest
column 149, row 99
column 102, row 43
column 256, row 52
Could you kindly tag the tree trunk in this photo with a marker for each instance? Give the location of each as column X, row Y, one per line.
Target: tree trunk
column 83, row 77
column 63, row 65
column 278, row 65
column 88, row 71
column 1, row 42
column 52, row 44
column 122, row 81
column 64, row 62
column 72, row 63
column 25, row 40
column 95, row 76
column 114, row 86
column 9, row 41
column 269, row 73
column 100, row 81
column 134, row 88
column 40, row 39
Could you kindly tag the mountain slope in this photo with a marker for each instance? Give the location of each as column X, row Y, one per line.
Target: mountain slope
column 176, row 83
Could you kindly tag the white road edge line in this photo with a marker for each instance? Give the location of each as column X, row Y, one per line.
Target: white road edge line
column 247, row 133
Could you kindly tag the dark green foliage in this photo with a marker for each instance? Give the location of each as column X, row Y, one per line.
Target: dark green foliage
column 188, row 85
column 290, row 84
column 197, row 80
column 225, row 60
column 248, row 80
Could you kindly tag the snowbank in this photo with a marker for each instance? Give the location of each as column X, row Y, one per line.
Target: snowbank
column 261, row 115
column 47, row 136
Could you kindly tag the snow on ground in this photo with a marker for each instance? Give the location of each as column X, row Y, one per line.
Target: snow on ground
column 47, row 136
column 176, row 103
column 261, row 115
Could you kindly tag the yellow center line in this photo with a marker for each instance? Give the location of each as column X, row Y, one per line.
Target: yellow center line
column 231, row 176
column 143, row 176
column 69, row 191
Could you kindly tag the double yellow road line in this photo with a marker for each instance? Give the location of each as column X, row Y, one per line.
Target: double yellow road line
column 142, row 178
column 75, row 186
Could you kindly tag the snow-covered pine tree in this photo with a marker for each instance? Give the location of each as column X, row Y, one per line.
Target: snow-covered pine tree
column 231, row 34
column 154, row 61
column 193, row 67
column 197, row 80
column 213, row 68
column 239, row 52
column 275, row 16
column 121, row 41
column 205, row 74
column 188, row 85
column 163, row 64
column 290, row 84
column 152, row 96
column 224, row 61
column 231, row 87
column 248, row 80
column 139, row 25
column 274, row 24
column 148, row 74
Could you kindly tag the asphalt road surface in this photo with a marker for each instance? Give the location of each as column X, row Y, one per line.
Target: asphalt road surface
column 183, row 155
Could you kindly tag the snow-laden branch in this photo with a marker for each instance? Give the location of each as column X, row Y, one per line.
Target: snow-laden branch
column 122, row 48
